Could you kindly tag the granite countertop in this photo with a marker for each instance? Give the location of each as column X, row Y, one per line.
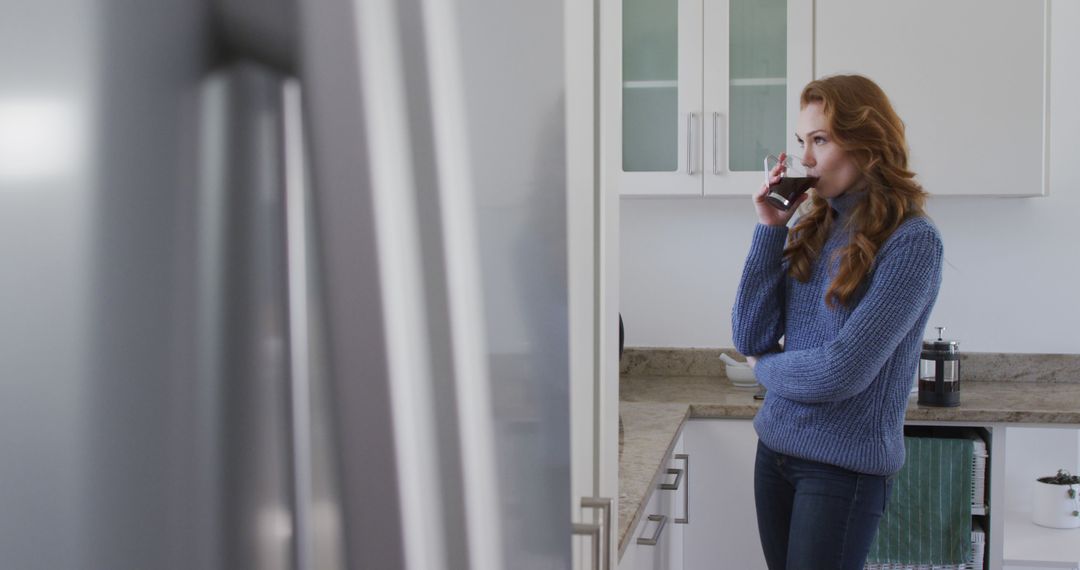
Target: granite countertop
column 653, row 410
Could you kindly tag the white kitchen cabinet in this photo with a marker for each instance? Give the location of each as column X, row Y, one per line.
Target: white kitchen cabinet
column 723, row 519
column 722, row 516
column 968, row 77
column 705, row 89
column 677, row 488
column 664, row 520
column 651, row 540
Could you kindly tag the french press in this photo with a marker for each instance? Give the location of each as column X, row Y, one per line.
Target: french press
column 939, row 372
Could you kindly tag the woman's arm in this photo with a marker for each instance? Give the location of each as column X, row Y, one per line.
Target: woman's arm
column 757, row 318
column 903, row 287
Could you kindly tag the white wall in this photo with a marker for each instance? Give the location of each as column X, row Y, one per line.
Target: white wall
column 1012, row 265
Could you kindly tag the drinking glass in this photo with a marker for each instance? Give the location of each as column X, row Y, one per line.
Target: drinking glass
column 794, row 182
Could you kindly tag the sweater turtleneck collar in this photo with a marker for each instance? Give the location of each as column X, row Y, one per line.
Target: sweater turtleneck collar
column 844, row 203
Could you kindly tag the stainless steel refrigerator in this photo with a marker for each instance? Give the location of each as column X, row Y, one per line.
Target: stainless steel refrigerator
column 284, row 285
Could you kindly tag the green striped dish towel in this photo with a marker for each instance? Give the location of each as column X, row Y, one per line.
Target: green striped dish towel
column 928, row 520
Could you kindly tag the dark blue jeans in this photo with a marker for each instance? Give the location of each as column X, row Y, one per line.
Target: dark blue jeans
column 814, row 516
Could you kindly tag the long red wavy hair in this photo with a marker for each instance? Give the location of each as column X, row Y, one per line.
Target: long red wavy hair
column 861, row 120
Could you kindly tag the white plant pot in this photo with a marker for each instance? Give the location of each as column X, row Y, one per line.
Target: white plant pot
column 1051, row 505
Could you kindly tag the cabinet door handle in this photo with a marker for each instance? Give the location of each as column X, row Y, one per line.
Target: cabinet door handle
column 685, row 457
column 605, row 507
column 678, row 473
column 593, row 531
column 690, row 143
column 715, row 143
column 662, row 519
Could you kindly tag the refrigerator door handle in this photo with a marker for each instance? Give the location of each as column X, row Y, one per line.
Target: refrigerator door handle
column 298, row 323
column 604, row 504
column 593, row 531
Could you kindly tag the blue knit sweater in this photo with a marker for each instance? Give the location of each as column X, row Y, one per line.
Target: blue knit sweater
column 838, row 389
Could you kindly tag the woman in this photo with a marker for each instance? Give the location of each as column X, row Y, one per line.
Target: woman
column 849, row 288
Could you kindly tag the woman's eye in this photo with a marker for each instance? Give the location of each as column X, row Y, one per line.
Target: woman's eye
column 801, row 143
column 819, row 140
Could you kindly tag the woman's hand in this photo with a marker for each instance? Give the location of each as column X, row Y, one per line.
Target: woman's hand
column 751, row 361
column 767, row 214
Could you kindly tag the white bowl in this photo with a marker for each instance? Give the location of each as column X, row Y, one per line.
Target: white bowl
column 740, row 374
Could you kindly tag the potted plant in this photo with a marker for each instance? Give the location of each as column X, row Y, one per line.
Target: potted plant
column 1055, row 503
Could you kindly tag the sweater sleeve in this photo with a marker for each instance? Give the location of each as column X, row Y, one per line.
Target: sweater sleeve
column 903, row 286
column 757, row 318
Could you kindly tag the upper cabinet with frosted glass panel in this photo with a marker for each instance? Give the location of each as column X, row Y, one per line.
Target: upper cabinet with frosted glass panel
column 708, row 89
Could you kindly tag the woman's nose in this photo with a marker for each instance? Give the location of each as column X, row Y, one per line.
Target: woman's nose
column 808, row 159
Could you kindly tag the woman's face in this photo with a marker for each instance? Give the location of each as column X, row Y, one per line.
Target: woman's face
column 822, row 157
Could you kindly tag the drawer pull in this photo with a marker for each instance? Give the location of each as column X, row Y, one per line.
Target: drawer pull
column 662, row 520
column 678, row 473
column 686, row 494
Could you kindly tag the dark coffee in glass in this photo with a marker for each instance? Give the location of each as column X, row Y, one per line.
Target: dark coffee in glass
column 785, row 193
column 793, row 182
